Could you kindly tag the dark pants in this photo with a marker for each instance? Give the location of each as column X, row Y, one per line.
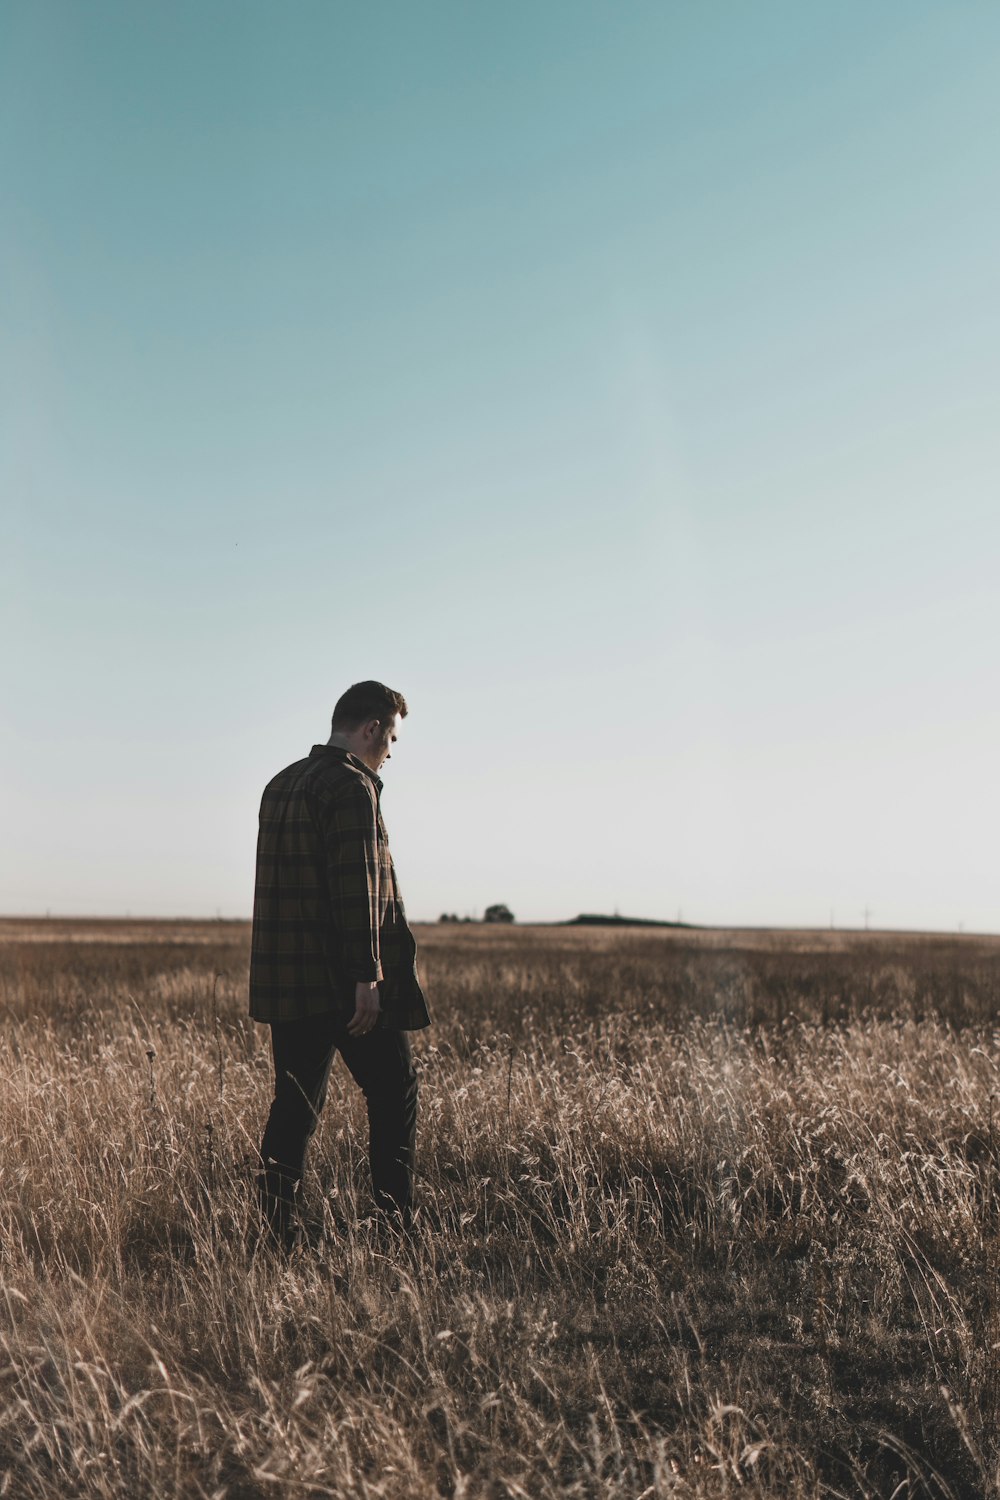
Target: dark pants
column 382, row 1066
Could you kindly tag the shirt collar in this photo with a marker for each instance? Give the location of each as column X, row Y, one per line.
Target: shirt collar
column 349, row 759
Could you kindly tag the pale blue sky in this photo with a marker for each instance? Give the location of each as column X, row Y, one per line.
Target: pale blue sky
column 619, row 381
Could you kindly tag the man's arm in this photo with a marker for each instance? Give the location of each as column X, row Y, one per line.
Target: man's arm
column 350, row 832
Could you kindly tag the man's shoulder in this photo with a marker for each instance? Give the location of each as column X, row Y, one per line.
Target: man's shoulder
column 325, row 776
column 287, row 778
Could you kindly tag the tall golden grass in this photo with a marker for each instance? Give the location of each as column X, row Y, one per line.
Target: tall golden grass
column 700, row 1215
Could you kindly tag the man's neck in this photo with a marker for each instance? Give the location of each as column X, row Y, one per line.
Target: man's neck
column 341, row 742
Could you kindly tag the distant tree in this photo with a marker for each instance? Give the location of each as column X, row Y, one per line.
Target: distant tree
column 447, row 916
column 498, row 913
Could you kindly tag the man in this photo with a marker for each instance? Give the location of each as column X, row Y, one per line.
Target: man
column 332, row 960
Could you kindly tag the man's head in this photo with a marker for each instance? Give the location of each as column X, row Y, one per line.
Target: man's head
column 366, row 722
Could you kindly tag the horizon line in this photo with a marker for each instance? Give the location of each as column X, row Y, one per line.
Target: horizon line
column 595, row 920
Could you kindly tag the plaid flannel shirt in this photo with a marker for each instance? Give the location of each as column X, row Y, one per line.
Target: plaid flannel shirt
column 327, row 909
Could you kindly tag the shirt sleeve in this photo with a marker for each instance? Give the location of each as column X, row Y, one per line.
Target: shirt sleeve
column 350, row 833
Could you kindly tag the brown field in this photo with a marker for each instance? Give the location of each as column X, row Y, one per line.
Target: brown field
column 702, row 1214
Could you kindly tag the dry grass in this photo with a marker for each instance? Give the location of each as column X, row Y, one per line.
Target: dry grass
column 700, row 1215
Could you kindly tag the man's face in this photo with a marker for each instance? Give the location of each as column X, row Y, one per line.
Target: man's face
column 379, row 737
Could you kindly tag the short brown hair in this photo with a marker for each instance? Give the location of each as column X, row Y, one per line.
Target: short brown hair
column 364, row 701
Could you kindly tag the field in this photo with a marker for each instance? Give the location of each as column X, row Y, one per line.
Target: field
column 701, row 1214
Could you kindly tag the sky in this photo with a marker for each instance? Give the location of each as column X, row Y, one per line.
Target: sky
column 618, row 382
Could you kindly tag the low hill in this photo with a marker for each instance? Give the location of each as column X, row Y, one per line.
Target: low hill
column 590, row 919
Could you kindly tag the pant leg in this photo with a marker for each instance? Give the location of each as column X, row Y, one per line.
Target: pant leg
column 381, row 1064
column 303, row 1053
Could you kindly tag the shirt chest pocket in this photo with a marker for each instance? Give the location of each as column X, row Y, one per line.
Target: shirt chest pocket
column 387, row 877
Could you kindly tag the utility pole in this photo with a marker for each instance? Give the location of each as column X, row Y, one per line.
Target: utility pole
column 867, row 915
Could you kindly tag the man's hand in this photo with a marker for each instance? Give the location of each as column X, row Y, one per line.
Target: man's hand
column 367, row 1006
